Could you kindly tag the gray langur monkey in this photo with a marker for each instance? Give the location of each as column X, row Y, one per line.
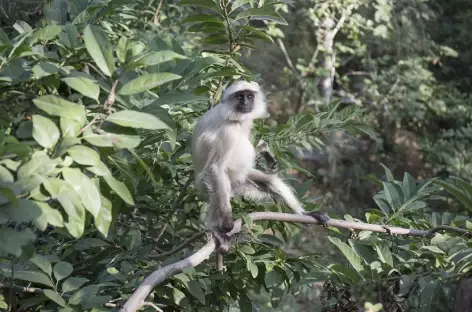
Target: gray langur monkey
column 223, row 157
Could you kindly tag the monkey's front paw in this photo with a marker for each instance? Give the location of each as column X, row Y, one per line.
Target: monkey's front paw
column 321, row 217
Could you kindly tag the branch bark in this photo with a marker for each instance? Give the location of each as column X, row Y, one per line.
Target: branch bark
column 137, row 299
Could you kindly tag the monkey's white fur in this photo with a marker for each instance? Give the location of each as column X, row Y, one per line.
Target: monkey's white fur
column 223, row 156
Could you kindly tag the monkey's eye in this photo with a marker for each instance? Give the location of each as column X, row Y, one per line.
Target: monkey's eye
column 249, row 96
column 240, row 96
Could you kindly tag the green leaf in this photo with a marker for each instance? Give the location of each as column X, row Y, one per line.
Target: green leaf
column 432, row 297
column 134, row 119
column 388, row 173
column 238, row 3
column 384, row 253
column 103, row 219
column 349, row 253
column 177, row 98
column 62, row 270
column 216, row 39
column 12, row 241
column 83, row 294
column 195, row 290
column 45, row 131
column 84, row 155
column 40, row 165
column 147, row 82
column 409, row 186
column 433, row 249
column 158, row 57
column 101, row 169
column 99, row 47
column 252, row 268
column 264, row 13
column 33, row 276
column 73, row 283
column 122, row 49
column 392, row 195
column 120, row 189
column 69, row 127
column 54, row 296
column 273, row 278
column 26, row 211
column 44, row 69
column 69, row 35
column 71, row 203
column 56, row 106
column 201, row 18
column 42, row 263
column 85, row 188
column 113, row 139
column 53, row 216
column 209, row 4
column 84, row 86
column 5, row 175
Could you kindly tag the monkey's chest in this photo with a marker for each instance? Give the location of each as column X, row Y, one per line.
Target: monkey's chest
column 242, row 156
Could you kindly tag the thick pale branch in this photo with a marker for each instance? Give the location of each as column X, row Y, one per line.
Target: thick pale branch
column 137, row 299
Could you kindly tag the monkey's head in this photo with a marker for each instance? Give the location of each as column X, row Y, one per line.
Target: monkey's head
column 243, row 101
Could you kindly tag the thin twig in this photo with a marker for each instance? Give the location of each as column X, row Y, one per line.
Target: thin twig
column 156, row 16
column 187, row 242
column 106, row 106
column 140, row 294
column 219, row 262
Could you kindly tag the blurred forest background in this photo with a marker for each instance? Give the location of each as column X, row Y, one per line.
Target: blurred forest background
column 371, row 114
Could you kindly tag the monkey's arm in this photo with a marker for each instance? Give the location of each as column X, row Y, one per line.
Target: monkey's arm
column 263, row 148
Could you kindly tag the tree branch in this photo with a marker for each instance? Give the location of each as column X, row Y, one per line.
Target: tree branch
column 156, row 16
column 138, row 297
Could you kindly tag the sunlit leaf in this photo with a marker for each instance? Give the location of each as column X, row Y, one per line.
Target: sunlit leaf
column 120, row 189
column 45, row 131
column 103, row 219
column 99, row 47
column 158, row 57
column 85, row 188
column 134, row 119
column 84, row 86
column 147, row 82
column 84, row 155
column 56, row 106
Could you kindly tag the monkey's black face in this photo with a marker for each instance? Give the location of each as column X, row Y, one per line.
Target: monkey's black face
column 244, row 101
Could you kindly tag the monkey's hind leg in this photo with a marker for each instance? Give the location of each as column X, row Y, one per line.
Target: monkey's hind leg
column 260, row 183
